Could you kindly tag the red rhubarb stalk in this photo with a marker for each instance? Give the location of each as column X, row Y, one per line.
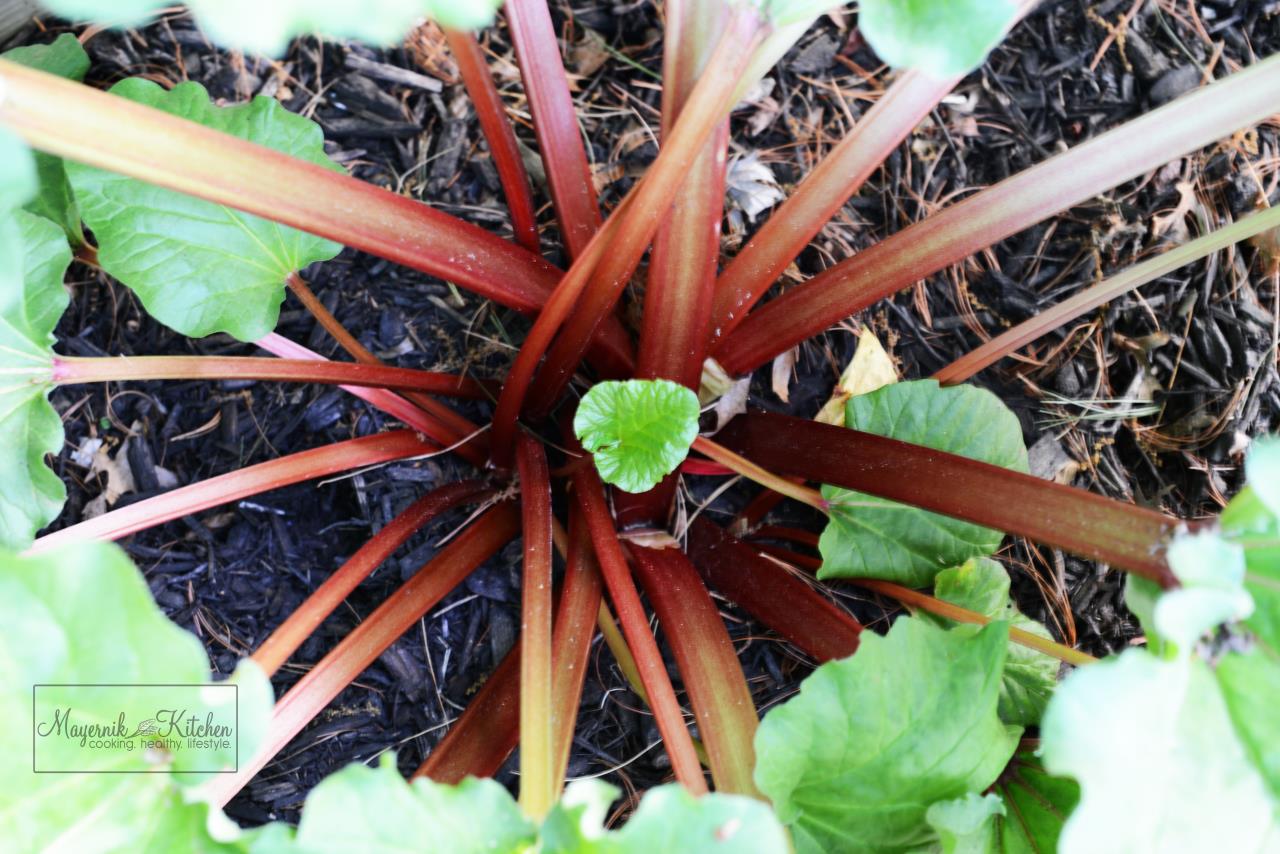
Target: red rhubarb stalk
column 589, row 493
column 759, row 474
column 771, row 594
column 1103, row 292
column 538, row 789
column 83, row 124
column 708, row 663
column 251, row 480
column 790, row 228
column 440, row 423
column 286, row 639
column 555, row 122
column 68, row 370
column 370, row 639
column 948, row 237
column 486, row 733
column 707, row 106
column 503, row 147
column 1088, row 525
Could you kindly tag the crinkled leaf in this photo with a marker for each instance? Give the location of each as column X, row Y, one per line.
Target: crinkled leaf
column 1251, row 688
column 854, row 761
column 1262, row 468
column 873, row 537
column 1247, row 522
column 1159, row 764
column 1211, row 571
column 34, row 256
column 967, row 825
column 942, row 37
column 669, row 819
column 638, row 430
column 376, row 810
column 267, row 27
column 55, row 201
column 1037, row 804
column 199, row 267
column 77, row 620
column 982, row 585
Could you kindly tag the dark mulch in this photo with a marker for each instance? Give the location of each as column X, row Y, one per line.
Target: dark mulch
column 1149, row 398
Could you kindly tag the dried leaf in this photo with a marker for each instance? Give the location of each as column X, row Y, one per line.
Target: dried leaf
column 870, row 368
column 781, row 377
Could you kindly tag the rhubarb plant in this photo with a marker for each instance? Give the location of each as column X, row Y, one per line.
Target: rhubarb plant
column 921, row 738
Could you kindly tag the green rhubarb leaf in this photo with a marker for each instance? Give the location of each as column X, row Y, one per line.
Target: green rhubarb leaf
column 199, row 267
column 80, row 624
column 55, row 201
column 376, row 810
column 941, row 37
column 1250, row 686
column 1037, row 805
column 1247, row 522
column 967, row 825
column 267, row 27
column 637, row 430
column 872, row 741
column 18, row 181
column 34, row 256
column 982, row 585
column 1160, row 766
column 1211, row 573
column 1262, row 469
column 873, row 537
column 669, row 819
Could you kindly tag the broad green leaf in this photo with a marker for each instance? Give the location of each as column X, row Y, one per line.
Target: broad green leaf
column 198, row 267
column 34, row 256
column 669, row 819
column 1211, row 571
column 872, row 741
column 982, row 585
column 873, row 537
column 1037, row 804
column 66, row 58
column 1247, row 522
column 376, row 810
column 1251, row 688
column 967, row 825
column 18, row 180
column 1262, row 469
column 941, row 37
column 81, row 624
column 267, row 27
column 638, row 430
column 1159, row 764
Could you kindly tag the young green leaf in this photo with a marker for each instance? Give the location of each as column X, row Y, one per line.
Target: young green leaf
column 1211, row 571
column 34, row 256
column 199, row 267
column 982, row 585
column 854, row 762
column 941, row 37
column 1159, row 763
column 266, row 28
column 1247, row 522
column 967, row 825
column 1037, row 805
column 374, row 809
column 669, row 819
column 637, row 430
column 873, row 537
column 55, row 201
column 81, row 624
column 18, row 180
